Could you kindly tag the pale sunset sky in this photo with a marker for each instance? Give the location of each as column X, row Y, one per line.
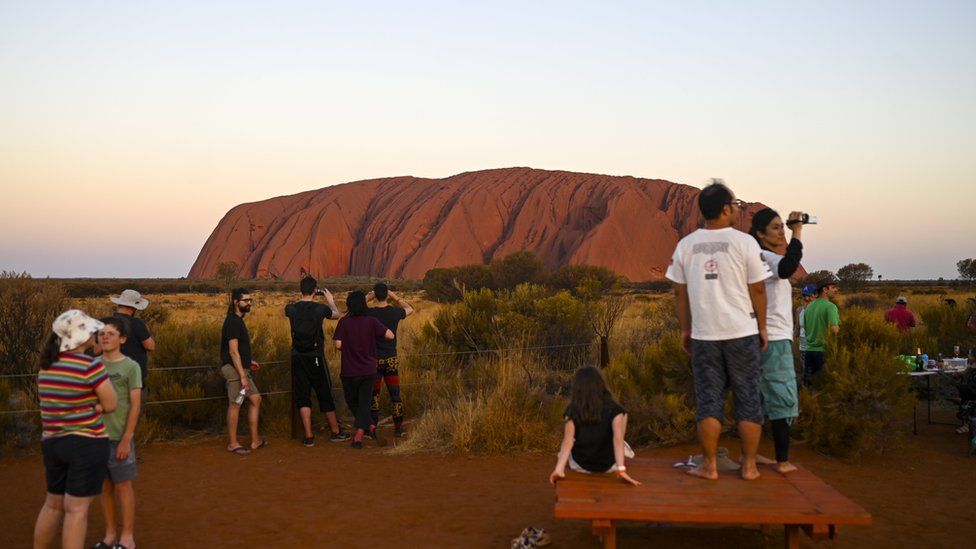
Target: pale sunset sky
column 128, row 129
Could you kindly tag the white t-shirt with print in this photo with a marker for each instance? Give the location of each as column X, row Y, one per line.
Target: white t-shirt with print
column 717, row 266
column 779, row 300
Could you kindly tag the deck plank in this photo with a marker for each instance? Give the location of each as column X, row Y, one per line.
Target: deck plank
column 669, row 495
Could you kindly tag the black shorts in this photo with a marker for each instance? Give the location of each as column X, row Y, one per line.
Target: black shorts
column 75, row 465
column 720, row 365
column 311, row 373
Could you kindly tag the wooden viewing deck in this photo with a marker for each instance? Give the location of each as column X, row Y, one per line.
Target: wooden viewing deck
column 799, row 500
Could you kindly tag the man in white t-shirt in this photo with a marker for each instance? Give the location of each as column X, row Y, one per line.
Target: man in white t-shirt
column 720, row 296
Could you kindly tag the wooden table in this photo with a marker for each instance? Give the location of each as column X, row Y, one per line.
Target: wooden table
column 798, row 501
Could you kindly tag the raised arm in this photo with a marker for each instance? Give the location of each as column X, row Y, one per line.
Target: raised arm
column 407, row 309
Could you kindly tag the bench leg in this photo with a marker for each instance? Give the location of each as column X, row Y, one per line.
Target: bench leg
column 792, row 536
column 608, row 531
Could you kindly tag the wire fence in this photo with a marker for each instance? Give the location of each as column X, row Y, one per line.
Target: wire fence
column 334, row 390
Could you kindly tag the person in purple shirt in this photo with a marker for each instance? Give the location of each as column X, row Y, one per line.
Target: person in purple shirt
column 355, row 337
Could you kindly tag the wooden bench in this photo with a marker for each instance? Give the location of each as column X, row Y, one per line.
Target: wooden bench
column 798, row 501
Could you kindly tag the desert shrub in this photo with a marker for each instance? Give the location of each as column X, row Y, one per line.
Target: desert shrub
column 864, row 301
column 527, row 317
column 860, row 404
column 449, row 284
column 861, row 327
column 517, row 268
column 569, row 277
column 888, row 293
column 27, row 309
column 657, row 391
column 946, row 327
column 509, row 412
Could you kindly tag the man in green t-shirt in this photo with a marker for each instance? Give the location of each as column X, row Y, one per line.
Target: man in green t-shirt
column 820, row 320
column 121, row 427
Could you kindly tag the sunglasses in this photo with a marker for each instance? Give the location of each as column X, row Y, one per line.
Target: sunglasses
column 738, row 203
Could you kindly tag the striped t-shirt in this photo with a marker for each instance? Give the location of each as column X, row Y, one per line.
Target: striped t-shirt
column 67, row 393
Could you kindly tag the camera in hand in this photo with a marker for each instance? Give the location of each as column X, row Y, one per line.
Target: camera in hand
column 805, row 219
column 319, row 291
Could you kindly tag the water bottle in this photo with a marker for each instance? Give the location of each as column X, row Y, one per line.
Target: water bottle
column 240, row 396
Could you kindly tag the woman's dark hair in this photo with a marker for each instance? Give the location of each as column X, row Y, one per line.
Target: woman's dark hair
column 356, row 303
column 760, row 221
column 121, row 324
column 712, row 199
column 49, row 352
column 589, row 396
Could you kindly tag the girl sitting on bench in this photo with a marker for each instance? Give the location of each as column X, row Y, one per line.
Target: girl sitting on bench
column 593, row 437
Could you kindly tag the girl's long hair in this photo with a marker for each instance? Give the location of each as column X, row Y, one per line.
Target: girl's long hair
column 760, row 221
column 590, row 396
column 356, row 303
column 49, row 352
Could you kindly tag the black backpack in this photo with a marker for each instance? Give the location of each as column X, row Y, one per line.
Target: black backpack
column 306, row 330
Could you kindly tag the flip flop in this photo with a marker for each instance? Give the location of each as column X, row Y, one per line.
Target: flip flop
column 240, row 450
column 101, row 545
column 119, row 546
column 259, row 446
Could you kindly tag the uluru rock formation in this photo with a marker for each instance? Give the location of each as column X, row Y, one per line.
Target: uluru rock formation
column 401, row 227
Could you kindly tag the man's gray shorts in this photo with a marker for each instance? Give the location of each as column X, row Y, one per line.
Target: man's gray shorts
column 721, row 365
column 121, row 470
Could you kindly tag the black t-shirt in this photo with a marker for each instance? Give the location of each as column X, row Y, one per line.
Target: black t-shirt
column 234, row 328
column 390, row 317
column 132, row 348
column 593, row 449
column 319, row 312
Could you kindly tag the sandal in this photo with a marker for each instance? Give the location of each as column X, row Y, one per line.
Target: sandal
column 259, row 446
column 239, row 450
column 101, row 545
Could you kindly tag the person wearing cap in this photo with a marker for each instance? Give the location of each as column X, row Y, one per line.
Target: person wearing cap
column 235, row 357
column 720, row 301
column 780, row 401
column 820, row 319
column 73, row 394
column 807, row 295
column 140, row 341
column 900, row 315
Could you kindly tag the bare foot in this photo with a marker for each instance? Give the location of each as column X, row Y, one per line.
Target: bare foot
column 785, row 467
column 702, row 472
column 762, row 460
column 749, row 472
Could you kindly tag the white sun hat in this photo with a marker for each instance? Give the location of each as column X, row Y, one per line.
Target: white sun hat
column 74, row 328
column 131, row 298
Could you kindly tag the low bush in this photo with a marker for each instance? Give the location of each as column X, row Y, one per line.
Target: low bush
column 865, row 301
column 860, row 404
column 508, row 411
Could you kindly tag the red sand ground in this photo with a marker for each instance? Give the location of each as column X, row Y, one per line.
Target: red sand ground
column 195, row 494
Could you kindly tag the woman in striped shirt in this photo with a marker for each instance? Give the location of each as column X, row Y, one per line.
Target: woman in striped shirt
column 73, row 392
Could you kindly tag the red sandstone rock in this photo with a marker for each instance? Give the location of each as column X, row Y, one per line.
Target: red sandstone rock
column 400, row 227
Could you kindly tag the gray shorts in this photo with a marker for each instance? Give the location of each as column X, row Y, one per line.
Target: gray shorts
column 730, row 364
column 121, row 471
